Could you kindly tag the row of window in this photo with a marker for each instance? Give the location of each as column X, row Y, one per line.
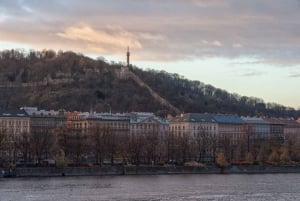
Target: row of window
column 148, row 126
column 17, row 130
column 12, row 122
column 202, row 127
column 107, row 125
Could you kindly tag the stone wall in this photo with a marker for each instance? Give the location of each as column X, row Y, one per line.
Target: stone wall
column 257, row 169
column 146, row 170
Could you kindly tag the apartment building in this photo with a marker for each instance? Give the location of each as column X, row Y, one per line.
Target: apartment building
column 194, row 124
column 43, row 121
column 14, row 122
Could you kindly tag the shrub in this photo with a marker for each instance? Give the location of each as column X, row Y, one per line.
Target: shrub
column 221, row 160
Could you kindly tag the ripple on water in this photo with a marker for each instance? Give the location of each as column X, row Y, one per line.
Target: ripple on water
column 154, row 188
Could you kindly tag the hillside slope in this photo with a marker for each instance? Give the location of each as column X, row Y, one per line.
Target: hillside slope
column 72, row 81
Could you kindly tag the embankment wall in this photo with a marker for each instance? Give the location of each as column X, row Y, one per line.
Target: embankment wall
column 146, row 170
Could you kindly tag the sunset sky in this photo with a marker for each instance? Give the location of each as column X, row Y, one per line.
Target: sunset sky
column 249, row 47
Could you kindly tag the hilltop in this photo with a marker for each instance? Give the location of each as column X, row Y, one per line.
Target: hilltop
column 55, row 80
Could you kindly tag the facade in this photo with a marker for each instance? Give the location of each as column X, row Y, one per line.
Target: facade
column 42, row 121
column 194, row 124
column 13, row 123
column 257, row 131
column 148, row 123
column 291, row 130
column 231, row 127
column 202, row 132
column 77, row 120
column 276, row 130
column 186, row 137
column 115, row 123
column 232, row 138
column 148, row 132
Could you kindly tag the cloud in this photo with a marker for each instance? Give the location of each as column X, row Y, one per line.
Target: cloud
column 212, row 43
column 205, row 3
column 240, row 70
column 84, row 33
column 251, row 73
column 160, row 30
column 108, row 40
column 237, row 45
column 294, row 75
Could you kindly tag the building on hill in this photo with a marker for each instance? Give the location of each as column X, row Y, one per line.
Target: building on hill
column 13, row 124
column 230, row 126
column 133, row 123
column 258, row 131
column 202, row 132
column 149, row 132
column 43, row 121
column 14, row 121
column 77, row 120
column 194, row 124
column 116, row 123
column 291, row 130
column 232, row 138
column 276, row 131
column 147, row 123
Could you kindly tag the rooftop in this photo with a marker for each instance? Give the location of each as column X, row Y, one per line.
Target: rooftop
column 139, row 118
column 194, row 117
column 109, row 116
column 12, row 113
column 228, row 119
column 33, row 111
column 254, row 120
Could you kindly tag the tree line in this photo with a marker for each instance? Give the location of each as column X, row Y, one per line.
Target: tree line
column 105, row 146
column 196, row 96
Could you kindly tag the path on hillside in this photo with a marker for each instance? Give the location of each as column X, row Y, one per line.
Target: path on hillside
column 45, row 82
column 155, row 95
column 132, row 75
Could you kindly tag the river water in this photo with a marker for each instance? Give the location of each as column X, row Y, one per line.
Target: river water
column 154, row 188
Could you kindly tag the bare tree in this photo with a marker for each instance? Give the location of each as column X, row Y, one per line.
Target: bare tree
column 225, row 146
column 112, row 145
column 202, row 141
column 152, row 146
column 3, row 142
column 221, row 161
column 136, row 148
column 78, row 145
column 240, row 150
column 123, row 151
column 169, row 143
column 182, row 148
column 24, row 146
column 263, row 153
column 285, row 155
column 63, row 141
column 293, row 145
column 99, row 139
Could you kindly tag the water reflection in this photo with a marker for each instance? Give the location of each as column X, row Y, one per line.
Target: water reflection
column 146, row 188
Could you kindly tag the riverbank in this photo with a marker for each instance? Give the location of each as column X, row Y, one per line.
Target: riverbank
column 145, row 170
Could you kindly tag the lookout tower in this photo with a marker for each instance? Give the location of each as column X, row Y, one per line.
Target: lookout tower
column 123, row 72
column 128, row 55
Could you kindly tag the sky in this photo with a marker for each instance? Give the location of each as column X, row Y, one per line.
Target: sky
column 247, row 47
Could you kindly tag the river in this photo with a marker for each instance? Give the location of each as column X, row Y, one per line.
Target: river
column 154, row 188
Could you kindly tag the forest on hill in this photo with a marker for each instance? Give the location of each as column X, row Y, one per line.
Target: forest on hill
column 72, row 81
